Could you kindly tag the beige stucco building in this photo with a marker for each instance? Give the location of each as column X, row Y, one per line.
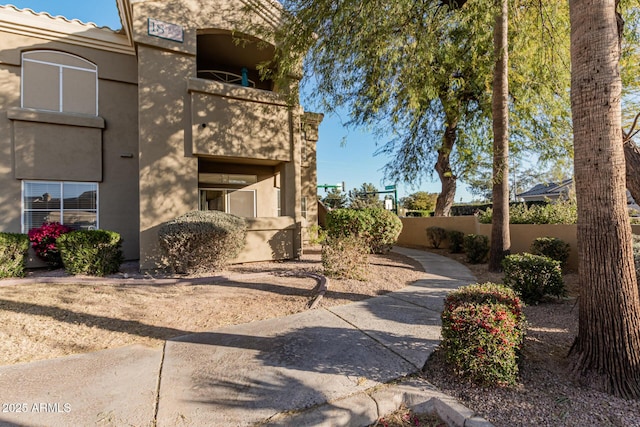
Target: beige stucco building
column 124, row 130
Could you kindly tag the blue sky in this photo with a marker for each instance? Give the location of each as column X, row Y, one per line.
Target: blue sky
column 353, row 162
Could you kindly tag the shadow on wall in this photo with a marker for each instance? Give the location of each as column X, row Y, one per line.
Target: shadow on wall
column 281, row 245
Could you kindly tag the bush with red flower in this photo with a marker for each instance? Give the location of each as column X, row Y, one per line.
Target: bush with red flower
column 483, row 329
column 43, row 241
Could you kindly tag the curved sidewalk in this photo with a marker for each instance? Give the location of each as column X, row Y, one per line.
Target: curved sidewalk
column 329, row 366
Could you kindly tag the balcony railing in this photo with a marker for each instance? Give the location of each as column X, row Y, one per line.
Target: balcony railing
column 227, row 77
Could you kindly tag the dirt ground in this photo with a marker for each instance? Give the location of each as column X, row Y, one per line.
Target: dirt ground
column 46, row 320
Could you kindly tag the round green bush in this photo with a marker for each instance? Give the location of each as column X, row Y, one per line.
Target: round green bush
column 13, row 254
column 483, row 329
column 92, row 252
column 345, row 257
column 202, row 241
column 533, row 276
column 456, row 240
column 379, row 227
column 553, row 248
column 476, row 246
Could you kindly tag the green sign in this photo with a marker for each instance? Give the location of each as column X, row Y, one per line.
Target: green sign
column 389, row 187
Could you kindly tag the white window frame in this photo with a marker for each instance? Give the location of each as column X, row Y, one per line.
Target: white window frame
column 93, row 68
column 61, row 183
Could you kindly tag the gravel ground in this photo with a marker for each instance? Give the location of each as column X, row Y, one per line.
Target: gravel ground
column 546, row 394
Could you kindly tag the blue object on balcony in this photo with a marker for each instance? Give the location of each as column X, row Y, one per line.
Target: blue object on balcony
column 245, row 77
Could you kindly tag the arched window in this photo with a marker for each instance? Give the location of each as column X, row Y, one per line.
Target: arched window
column 58, row 81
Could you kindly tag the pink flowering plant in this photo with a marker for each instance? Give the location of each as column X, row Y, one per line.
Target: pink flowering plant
column 483, row 329
column 43, row 241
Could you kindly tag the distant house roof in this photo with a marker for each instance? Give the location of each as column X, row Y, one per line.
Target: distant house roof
column 548, row 190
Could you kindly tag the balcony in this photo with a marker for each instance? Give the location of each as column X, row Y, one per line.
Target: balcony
column 236, row 122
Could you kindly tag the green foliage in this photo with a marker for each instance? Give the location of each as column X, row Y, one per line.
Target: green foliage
column 420, row 201
column 335, row 199
column 418, row 214
column 456, row 241
column 345, row 257
column 316, row 234
column 436, row 235
column 202, row 241
column 92, row 252
column 553, row 248
column 469, row 209
column 476, row 246
column 385, row 230
column 379, row 227
column 13, row 254
column 533, row 276
column 483, row 329
column 558, row 212
column 423, row 69
column 365, row 197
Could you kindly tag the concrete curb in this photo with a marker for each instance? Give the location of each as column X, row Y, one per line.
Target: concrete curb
column 366, row 408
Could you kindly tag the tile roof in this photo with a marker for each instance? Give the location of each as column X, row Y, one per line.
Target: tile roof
column 546, row 189
column 58, row 18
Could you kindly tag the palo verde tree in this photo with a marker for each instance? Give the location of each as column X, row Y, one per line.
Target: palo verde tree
column 419, row 201
column 426, row 69
column 607, row 348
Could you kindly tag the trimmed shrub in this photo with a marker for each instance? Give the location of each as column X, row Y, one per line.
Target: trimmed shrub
column 379, row 227
column 92, row 252
column 345, row 257
column 483, row 329
column 436, row 235
column 456, row 240
column 476, row 246
column 13, row 254
column 553, row 248
column 533, row 276
column 418, row 214
column 43, row 241
column 558, row 212
column 384, row 231
column 202, row 241
column 469, row 209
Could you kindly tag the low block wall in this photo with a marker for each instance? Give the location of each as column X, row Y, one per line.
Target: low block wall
column 269, row 239
column 414, row 233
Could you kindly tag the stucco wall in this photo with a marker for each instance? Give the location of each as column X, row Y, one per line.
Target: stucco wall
column 268, row 238
column 61, row 147
column 241, row 126
column 522, row 235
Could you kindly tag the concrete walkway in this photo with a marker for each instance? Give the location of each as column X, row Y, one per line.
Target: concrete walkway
column 344, row 365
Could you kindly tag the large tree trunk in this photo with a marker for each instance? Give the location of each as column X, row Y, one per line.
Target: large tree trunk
column 607, row 350
column 500, row 237
column 443, row 167
column 632, row 162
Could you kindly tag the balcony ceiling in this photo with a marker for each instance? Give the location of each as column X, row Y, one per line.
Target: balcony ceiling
column 225, row 49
